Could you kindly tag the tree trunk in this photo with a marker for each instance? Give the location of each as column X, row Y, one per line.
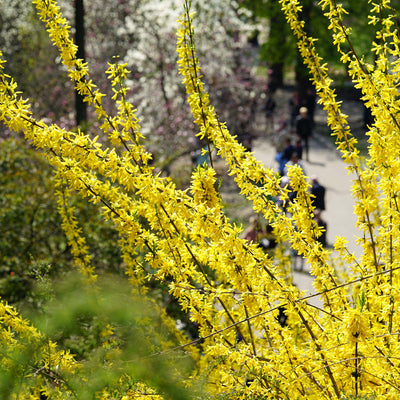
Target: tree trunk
column 277, row 39
column 80, row 105
column 275, row 80
column 303, row 82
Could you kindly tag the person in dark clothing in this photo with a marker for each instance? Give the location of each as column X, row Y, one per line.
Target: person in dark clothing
column 367, row 117
column 304, row 128
column 282, row 316
column 286, row 155
column 318, row 191
column 309, row 103
column 294, row 107
column 298, row 148
column 269, row 109
column 268, row 241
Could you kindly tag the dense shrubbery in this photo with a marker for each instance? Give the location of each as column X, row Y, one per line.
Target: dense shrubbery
column 32, row 244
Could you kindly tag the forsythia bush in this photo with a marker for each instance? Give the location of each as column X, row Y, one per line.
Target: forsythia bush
column 233, row 291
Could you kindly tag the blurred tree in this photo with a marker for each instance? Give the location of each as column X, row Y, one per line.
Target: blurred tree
column 34, row 63
column 80, row 105
column 141, row 33
column 278, row 48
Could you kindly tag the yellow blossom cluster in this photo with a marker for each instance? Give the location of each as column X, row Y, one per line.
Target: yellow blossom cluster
column 79, row 249
column 231, row 288
column 29, row 360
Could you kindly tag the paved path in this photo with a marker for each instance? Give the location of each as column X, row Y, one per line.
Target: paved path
column 326, row 163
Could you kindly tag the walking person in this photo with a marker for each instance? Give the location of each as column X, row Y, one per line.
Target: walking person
column 269, row 109
column 304, row 128
column 310, row 102
column 318, row 191
column 253, row 231
column 294, row 160
column 298, row 148
column 285, row 155
column 294, row 107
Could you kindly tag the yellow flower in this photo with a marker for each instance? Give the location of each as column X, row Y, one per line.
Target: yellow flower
column 356, row 328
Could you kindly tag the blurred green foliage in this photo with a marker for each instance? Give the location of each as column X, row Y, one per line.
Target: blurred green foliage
column 34, row 249
column 32, row 243
column 124, row 338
